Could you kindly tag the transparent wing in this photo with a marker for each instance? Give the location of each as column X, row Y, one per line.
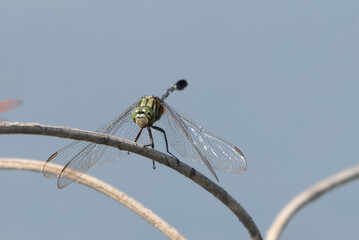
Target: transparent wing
column 200, row 145
column 9, row 104
column 80, row 156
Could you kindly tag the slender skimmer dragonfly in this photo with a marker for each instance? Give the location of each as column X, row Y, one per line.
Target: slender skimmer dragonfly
column 188, row 138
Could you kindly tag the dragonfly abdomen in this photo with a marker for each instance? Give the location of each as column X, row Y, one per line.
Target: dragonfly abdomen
column 180, row 85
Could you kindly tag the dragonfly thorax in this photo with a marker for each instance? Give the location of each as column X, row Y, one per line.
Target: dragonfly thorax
column 148, row 111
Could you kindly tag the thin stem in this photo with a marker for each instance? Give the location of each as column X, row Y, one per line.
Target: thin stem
column 311, row 194
column 102, row 187
column 184, row 169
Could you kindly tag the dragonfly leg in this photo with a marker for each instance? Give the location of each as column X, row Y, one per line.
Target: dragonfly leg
column 151, row 144
column 149, row 133
column 165, row 137
column 151, row 138
column 138, row 135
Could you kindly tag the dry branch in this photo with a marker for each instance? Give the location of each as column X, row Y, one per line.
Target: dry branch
column 184, row 169
column 102, row 187
column 311, row 194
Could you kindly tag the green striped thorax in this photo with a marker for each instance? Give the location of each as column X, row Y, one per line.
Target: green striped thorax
column 149, row 111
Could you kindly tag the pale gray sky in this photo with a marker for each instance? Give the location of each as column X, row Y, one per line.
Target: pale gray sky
column 278, row 79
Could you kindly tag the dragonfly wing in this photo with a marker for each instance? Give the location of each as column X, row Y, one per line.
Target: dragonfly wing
column 80, row 156
column 9, row 104
column 82, row 162
column 200, row 145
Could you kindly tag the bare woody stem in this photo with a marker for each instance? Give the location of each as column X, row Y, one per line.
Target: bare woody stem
column 102, row 187
column 184, row 169
column 311, row 194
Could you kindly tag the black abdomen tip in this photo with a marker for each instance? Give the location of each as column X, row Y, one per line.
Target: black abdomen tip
column 181, row 84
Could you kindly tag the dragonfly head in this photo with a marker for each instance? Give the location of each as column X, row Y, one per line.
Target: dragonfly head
column 143, row 116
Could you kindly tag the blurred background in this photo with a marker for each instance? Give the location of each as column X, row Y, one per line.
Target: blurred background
column 278, row 79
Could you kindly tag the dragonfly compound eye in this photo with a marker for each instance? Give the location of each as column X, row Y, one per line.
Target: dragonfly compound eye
column 135, row 112
column 149, row 113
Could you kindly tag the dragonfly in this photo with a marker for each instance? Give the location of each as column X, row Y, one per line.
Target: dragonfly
column 9, row 104
column 149, row 113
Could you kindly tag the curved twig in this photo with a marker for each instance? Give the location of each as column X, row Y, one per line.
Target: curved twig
column 184, row 169
column 307, row 196
column 102, row 187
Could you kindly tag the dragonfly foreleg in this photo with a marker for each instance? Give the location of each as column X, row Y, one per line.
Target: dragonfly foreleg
column 138, row 135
